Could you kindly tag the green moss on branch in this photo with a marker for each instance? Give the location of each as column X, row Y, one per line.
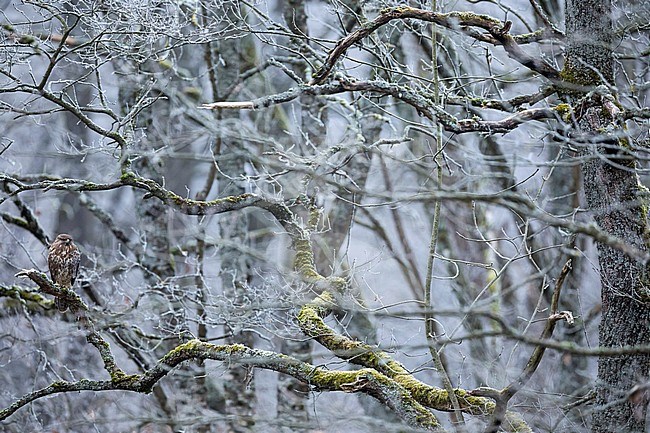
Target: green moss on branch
column 310, row 319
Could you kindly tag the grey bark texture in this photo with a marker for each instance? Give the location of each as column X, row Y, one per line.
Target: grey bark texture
column 617, row 199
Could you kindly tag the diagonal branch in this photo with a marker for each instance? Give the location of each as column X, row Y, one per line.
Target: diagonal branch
column 450, row 20
column 27, row 221
column 48, row 286
column 504, row 396
column 515, row 52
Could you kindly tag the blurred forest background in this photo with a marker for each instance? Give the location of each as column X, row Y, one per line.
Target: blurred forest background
column 414, row 197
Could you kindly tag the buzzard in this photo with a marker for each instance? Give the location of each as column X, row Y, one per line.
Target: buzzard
column 63, row 259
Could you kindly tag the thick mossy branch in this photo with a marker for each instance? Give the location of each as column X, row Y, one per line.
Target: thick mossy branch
column 304, row 262
column 105, row 353
column 367, row 381
column 306, row 268
column 48, row 286
column 17, row 295
column 304, row 259
column 310, row 319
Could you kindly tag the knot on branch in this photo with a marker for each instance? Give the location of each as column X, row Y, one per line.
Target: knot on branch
column 360, row 383
column 562, row 315
column 502, row 30
column 486, row 391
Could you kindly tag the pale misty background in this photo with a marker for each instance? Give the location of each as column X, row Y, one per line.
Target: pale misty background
column 366, row 164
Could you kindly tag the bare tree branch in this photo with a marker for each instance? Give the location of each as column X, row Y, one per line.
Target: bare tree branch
column 422, row 103
column 451, row 20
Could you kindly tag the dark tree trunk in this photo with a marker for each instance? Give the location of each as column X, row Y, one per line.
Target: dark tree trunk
column 618, row 202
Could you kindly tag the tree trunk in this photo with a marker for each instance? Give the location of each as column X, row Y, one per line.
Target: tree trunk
column 618, row 202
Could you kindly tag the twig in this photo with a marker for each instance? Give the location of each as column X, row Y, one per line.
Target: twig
column 509, row 391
